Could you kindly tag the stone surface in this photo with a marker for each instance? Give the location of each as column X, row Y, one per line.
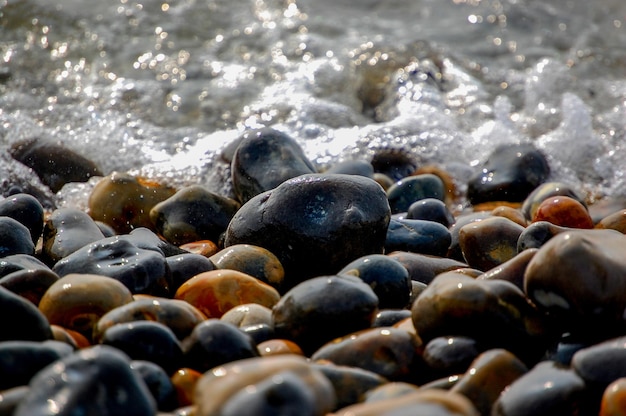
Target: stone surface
column 25, row 209
column 253, row 260
column 15, row 238
column 431, row 209
column 544, row 191
column 414, row 188
column 563, row 211
column 418, row 236
column 26, row 322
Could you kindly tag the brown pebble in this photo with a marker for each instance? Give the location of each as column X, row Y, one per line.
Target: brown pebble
column 614, row 399
column 184, row 381
column 207, row 248
column 278, row 347
column 253, row 260
column 565, row 212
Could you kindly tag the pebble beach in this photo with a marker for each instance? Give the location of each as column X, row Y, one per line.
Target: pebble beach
column 253, row 219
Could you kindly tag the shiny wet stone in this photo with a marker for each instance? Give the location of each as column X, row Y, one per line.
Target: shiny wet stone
column 192, row 214
column 565, row 212
column 545, row 191
column 15, row 238
column 430, row 209
column 510, row 173
column 264, row 159
column 423, row 268
column 351, row 384
column 512, row 270
column 537, row 234
column 353, row 167
column 414, row 188
column 601, row 364
column 614, row 399
column 31, row 284
column 248, row 314
column 323, row 308
column 450, row 355
column 315, row 224
column 25, row 209
column 185, row 266
column 418, row 236
column 390, row 317
column 615, row 221
column 96, row 380
column 159, row 384
column 253, row 260
column 26, row 322
column 388, row 279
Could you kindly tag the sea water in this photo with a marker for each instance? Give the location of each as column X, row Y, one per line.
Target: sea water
column 158, row 88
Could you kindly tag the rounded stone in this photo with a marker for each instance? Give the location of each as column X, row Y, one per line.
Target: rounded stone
column 544, row 191
column 564, row 212
column 578, row 277
column 537, row 234
column 423, row 268
column 184, row 381
column 78, row 301
column 185, row 266
column 15, row 238
column 601, row 364
column 450, row 355
column 353, row 167
column 388, row 279
column 124, row 201
column 324, row 308
column 615, row 221
column 512, row 270
column 315, row 224
column 351, row 384
column 31, row 284
column 248, row 314
column 430, row 209
column 96, row 380
column 159, row 384
column 390, row 317
column 510, row 173
column 394, row 163
column 488, row 243
column 414, row 188
column 264, row 159
column 217, row 291
column 192, row 214
column 278, row 347
column 22, row 320
column 253, row 260
column 418, row 236
column 614, row 399
column 25, row 209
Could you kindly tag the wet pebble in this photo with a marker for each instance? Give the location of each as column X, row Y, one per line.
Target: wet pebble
column 614, row 399
column 390, row 317
column 253, row 260
column 26, row 276
column 264, row 159
column 248, row 314
column 315, row 224
column 615, row 221
column 601, row 364
column 353, row 167
column 15, row 238
column 217, row 291
column 564, row 211
column 545, row 191
column 158, row 382
column 408, row 190
column 185, row 266
column 25, row 209
column 278, row 347
column 510, row 173
column 184, row 381
column 450, row 355
column 388, row 279
column 537, row 234
column 192, row 214
column 393, row 163
column 418, row 236
column 351, row 384
column 423, row 268
column 22, row 320
column 512, row 270
column 323, row 308
column 430, row 209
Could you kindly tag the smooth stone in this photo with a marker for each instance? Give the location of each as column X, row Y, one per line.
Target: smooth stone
column 21, row 360
column 544, row 191
column 146, row 239
column 315, row 224
column 564, row 212
column 185, row 266
column 615, row 221
column 495, row 313
column 217, row 291
column 353, row 167
column 450, row 355
column 489, row 243
column 512, row 270
column 424, row 268
column 537, row 234
column 20, row 262
column 351, row 384
column 184, row 381
column 31, row 284
column 15, row 238
column 390, row 390
column 213, row 343
column 394, row 163
column 432, row 402
column 193, row 213
column 55, row 164
column 388, row 279
column 67, row 230
column 27, row 210
column 417, row 236
column 158, row 382
column 180, row 316
column 129, row 259
column 10, row 398
column 454, row 251
column 248, row 314
column 430, row 209
column 97, row 380
column 253, row 260
column 614, row 399
column 278, row 347
column 390, row 352
column 148, row 341
column 264, row 159
column 513, row 214
column 26, row 321
column 390, row 317
column 72, row 338
column 78, row 301
column 488, row 376
column 124, row 201
column 383, row 180
column 206, row 248
column 323, row 308
column 578, row 277
column 217, row 387
column 601, row 364
column 414, row 188
column 546, row 389
column 510, row 173
column 259, row 332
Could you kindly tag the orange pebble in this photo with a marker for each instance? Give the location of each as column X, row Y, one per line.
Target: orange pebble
column 615, row 221
column 565, row 212
column 614, row 399
column 207, row 248
column 217, row 291
column 184, row 381
column 278, row 346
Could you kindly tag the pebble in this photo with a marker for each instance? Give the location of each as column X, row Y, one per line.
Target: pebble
column 15, row 238
column 193, row 213
column 264, row 159
column 408, row 190
column 323, row 308
column 351, row 384
column 25, row 209
column 450, row 355
column 393, row 163
column 512, row 270
column 217, row 291
column 563, row 211
column 26, row 322
column 248, row 314
column 185, row 266
column 253, row 260
column 510, row 173
column 278, row 347
column 337, row 218
column 418, row 236
column 159, row 384
column 615, row 221
column 613, row 399
column 430, row 209
column 184, row 381
column 537, row 234
column 353, row 167
column 387, row 277
column 390, row 317
column 545, row 191
column 424, row 268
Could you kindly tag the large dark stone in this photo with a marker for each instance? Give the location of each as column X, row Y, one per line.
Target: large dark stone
column 21, row 320
column 510, row 173
column 315, row 224
column 14, row 238
column 25, row 209
column 264, row 159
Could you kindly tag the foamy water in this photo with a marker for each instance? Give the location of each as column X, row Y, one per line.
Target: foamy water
column 158, row 88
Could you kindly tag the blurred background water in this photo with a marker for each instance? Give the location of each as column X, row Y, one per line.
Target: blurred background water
column 159, row 87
